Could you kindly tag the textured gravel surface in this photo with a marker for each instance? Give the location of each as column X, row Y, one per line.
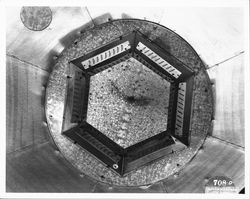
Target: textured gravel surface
column 201, row 114
column 128, row 103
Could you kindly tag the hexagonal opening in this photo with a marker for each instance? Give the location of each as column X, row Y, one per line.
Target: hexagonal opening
column 128, row 102
column 128, row 99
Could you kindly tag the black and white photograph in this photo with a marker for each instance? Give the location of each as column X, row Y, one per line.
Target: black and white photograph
column 125, row 100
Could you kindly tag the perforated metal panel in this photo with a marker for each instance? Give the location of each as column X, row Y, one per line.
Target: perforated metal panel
column 106, row 55
column 158, row 60
column 79, row 96
column 180, row 109
column 152, row 56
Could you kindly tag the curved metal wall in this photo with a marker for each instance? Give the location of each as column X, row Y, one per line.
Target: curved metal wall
column 30, row 56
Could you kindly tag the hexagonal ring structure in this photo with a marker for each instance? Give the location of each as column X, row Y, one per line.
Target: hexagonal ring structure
column 119, row 159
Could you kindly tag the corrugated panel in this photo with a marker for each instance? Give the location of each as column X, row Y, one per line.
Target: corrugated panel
column 78, row 96
column 158, row 60
column 206, row 164
column 180, row 109
column 24, row 105
column 41, row 170
column 106, row 55
column 229, row 123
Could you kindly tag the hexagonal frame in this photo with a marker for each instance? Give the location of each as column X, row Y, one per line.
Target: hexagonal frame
column 161, row 62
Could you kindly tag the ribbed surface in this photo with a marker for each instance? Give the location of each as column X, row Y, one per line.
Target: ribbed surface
column 209, row 37
column 24, row 105
column 206, row 164
column 106, row 55
column 180, row 109
column 158, row 60
column 77, row 98
column 97, row 144
column 229, row 112
column 41, row 170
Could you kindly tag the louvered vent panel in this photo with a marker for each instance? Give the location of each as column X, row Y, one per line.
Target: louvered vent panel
column 79, row 81
column 158, row 60
column 180, row 109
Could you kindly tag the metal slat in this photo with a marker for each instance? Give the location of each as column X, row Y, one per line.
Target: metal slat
column 106, row 55
column 158, row 60
column 77, row 93
column 180, row 109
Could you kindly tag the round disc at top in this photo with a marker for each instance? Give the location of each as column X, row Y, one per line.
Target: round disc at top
column 36, row 18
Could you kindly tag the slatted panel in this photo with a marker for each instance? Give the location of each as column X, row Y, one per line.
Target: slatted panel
column 158, row 60
column 77, row 97
column 137, row 57
column 101, row 151
column 106, row 55
column 98, row 145
column 157, row 153
column 111, row 63
column 229, row 123
column 171, row 107
column 24, row 105
column 164, row 143
column 180, row 109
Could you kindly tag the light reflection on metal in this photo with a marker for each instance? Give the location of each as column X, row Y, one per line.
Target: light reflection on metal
column 106, row 55
column 93, row 165
column 180, row 109
column 158, row 60
column 111, row 152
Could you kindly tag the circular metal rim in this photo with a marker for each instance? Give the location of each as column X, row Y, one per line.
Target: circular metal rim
column 197, row 149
